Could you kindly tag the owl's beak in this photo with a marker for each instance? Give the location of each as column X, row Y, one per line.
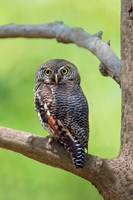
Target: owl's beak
column 56, row 78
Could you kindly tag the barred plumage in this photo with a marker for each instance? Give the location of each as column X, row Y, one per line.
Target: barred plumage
column 62, row 106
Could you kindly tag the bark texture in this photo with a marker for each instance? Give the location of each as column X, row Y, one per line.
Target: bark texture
column 112, row 177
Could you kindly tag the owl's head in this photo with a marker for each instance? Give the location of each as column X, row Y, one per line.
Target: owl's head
column 58, row 71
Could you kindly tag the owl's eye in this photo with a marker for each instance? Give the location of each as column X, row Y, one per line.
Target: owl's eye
column 64, row 70
column 47, row 72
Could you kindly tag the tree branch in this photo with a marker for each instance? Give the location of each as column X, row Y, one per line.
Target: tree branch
column 110, row 62
column 103, row 173
column 51, row 153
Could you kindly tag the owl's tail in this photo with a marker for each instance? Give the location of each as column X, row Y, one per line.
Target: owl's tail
column 70, row 142
column 79, row 157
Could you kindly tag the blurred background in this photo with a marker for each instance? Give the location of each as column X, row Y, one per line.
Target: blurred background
column 20, row 177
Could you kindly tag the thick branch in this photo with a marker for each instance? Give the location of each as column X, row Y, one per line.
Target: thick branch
column 51, row 153
column 104, row 174
column 65, row 34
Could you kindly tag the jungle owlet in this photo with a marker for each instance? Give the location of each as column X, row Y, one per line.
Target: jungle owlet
column 62, row 106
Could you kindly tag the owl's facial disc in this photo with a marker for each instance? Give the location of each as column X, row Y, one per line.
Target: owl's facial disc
column 59, row 74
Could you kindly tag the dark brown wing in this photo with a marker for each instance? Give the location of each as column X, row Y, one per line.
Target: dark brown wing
column 43, row 101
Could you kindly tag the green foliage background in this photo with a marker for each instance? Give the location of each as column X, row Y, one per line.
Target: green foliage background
column 22, row 178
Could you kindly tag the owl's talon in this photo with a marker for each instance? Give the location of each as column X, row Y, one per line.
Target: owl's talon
column 51, row 139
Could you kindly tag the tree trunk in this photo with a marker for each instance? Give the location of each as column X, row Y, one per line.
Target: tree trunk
column 120, row 184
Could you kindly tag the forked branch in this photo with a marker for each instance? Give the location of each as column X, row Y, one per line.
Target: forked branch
column 110, row 63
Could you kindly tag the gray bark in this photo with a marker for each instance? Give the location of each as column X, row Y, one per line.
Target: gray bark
column 110, row 62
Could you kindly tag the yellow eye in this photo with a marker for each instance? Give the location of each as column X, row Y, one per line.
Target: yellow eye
column 47, row 72
column 64, row 70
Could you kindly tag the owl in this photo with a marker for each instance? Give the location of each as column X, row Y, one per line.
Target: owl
column 62, row 106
